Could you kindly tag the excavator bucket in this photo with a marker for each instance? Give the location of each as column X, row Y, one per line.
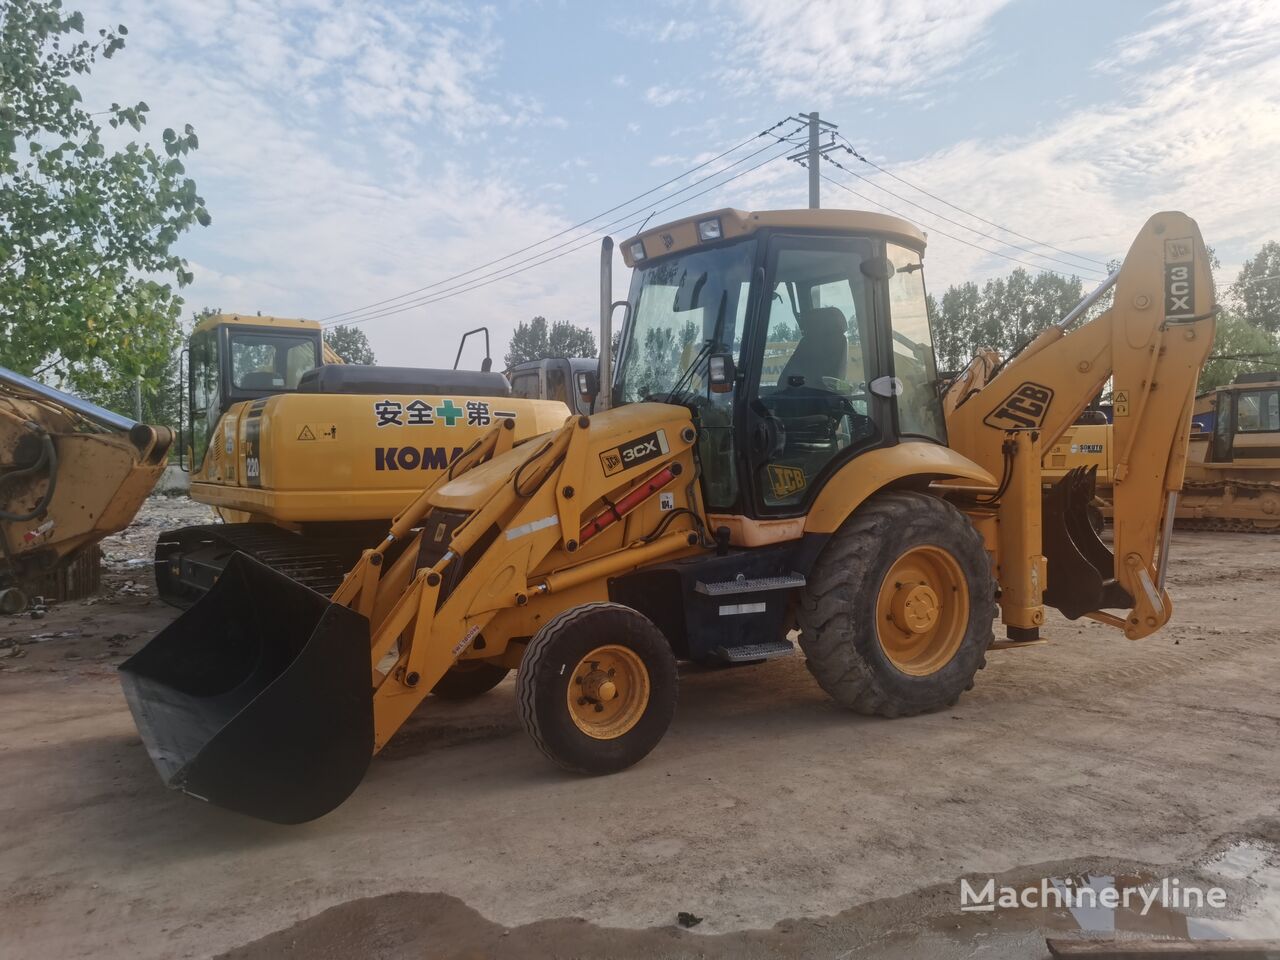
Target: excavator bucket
column 1081, row 568
column 258, row 697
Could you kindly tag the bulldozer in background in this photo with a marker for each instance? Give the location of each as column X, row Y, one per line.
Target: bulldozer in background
column 1233, row 467
column 71, row 473
column 306, row 459
column 712, row 504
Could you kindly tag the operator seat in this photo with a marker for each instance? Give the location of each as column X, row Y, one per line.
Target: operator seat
column 822, row 351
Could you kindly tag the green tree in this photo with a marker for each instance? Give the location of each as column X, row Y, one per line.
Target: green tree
column 567, row 340
column 87, row 274
column 1238, row 347
column 1256, row 292
column 533, row 341
column 529, row 342
column 350, row 344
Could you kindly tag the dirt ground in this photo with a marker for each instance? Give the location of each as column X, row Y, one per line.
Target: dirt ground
column 790, row 827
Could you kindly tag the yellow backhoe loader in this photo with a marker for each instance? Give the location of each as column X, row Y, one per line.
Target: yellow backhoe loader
column 71, row 473
column 725, row 496
column 306, row 459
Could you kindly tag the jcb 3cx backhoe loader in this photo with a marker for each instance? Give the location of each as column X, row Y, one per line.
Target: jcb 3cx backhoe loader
column 732, row 491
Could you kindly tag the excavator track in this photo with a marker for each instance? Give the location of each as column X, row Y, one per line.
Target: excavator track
column 1238, row 506
column 189, row 560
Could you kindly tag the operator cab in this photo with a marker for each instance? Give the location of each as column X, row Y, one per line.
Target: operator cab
column 235, row 358
column 799, row 339
column 1246, row 423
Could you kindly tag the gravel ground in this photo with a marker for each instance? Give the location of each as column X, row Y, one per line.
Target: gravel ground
column 787, row 825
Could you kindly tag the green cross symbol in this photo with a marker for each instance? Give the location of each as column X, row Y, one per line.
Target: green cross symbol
column 449, row 412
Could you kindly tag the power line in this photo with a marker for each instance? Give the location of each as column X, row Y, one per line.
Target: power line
column 501, row 272
column 1250, row 281
column 977, row 246
column 943, row 216
column 478, row 283
column 554, row 236
column 1022, row 236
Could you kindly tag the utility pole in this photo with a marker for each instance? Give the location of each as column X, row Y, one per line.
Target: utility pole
column 811, row 155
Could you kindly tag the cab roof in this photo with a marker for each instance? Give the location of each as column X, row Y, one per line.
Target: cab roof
column 683, row 234
column 253, row 320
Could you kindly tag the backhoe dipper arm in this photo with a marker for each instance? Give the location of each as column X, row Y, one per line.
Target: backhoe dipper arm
column 1151, row 342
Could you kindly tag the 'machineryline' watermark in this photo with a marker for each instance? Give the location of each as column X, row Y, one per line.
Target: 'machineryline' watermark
column 1065, row 894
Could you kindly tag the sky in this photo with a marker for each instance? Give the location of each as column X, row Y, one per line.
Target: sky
column 354, row 152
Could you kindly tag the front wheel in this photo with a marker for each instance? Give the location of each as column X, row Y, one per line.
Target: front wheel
column 596, row 688
column 897, row 617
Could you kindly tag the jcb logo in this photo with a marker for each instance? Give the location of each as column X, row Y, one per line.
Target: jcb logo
column 634, row 452
column 1024, row 409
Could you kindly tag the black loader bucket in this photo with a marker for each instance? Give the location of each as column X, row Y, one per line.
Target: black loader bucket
column 1081, row 568
column 258, row 698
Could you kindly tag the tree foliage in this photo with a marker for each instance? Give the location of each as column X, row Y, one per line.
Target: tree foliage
column 88, row 279
column 1256, row 291
column 350, row 344
column 1002, row 314
column 534, row 341
column 1238, row 347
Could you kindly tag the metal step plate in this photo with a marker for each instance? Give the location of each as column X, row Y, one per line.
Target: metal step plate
column 727, row 588
column 755, row 651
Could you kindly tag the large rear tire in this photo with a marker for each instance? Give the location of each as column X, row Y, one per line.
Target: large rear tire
column 596, row 688
column 897, row 616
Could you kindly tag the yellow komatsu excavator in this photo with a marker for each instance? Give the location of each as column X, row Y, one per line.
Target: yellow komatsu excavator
column 305, row 458
column 71, row 473
column 742, row 482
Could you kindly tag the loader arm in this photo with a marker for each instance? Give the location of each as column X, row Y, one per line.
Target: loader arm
column 1151, row 343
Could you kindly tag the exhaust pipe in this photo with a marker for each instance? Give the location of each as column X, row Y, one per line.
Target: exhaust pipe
column 604, row 376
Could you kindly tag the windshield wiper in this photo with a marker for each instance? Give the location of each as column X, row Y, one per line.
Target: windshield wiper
column 689, row 371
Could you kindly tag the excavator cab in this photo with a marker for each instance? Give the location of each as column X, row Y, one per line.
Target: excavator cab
column 233, row 358
column 825, row 334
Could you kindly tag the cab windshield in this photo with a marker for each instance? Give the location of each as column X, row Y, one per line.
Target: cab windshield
column 683, row 310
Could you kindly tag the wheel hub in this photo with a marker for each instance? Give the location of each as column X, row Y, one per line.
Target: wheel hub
column 915, row 607
column 922, row 610
column 608, row 692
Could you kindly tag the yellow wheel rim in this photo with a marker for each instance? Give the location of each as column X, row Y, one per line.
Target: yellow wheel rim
column 922, row 610
column 608, row 692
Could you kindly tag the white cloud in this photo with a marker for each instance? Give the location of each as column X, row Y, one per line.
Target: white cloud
column 664, row 96
column 829, row 50
column 620, row 80
column 1196, row 127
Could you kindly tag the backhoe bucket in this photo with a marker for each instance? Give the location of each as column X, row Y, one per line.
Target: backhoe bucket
column 1081, row 568
column 258, row 698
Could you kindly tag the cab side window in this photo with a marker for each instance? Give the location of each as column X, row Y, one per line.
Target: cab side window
column 919, row 404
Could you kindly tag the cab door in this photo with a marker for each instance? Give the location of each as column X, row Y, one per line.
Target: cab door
column 814, row 365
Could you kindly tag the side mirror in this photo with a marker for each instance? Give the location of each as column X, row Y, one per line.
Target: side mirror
column 588, row 384
column 721, row 372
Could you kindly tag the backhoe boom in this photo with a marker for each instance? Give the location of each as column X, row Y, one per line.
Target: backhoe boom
column 1150, row 343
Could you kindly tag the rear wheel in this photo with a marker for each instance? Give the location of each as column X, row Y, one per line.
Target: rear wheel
column 467, row 679
column 897, row 616
column 596, row 688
